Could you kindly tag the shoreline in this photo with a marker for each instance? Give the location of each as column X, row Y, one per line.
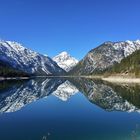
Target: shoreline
column 13, row 78
column 112, row 79
column 122, row 80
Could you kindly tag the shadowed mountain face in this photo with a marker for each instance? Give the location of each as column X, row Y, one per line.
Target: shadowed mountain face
column 16, row 94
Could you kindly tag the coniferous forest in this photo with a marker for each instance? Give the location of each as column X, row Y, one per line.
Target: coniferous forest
column 128, row 66
column 7, row 71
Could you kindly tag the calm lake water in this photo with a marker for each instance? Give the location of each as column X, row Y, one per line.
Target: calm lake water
column 69, row 109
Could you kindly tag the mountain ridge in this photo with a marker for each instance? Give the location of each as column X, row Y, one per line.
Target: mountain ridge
column 104, row 56
column 31, row 62
column 17, row 57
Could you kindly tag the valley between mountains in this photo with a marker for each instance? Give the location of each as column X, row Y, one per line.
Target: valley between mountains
column 110, row 59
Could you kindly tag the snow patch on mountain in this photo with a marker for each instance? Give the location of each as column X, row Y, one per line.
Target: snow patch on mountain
column 127, row 46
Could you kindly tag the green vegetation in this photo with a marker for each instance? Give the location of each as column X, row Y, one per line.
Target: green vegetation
column 128, row 66
column 7, row 71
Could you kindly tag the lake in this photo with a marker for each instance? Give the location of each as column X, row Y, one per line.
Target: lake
column 69, row 109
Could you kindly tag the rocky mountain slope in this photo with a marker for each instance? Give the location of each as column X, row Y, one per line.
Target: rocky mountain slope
column 104, row 57
column 65, row 61
column 26, row 60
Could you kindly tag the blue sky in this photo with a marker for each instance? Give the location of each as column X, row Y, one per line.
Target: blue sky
column 76, row 26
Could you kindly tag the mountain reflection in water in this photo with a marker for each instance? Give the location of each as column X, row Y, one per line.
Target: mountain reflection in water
column 14, row 95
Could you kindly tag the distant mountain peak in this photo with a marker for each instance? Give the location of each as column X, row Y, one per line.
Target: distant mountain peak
column 65, row 61
column 64, row 53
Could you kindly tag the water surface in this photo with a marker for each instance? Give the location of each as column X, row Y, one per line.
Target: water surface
column 69, row 109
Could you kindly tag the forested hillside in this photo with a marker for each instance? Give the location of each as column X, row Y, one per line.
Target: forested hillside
column 128, row 66
column 7, row 71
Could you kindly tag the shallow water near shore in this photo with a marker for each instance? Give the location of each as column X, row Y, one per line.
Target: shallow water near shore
column 69, row 108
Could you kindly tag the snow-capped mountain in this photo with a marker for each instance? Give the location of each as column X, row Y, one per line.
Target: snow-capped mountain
column 26, row 60
column 65, row 61
column 105, row 56
column 65, row 91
